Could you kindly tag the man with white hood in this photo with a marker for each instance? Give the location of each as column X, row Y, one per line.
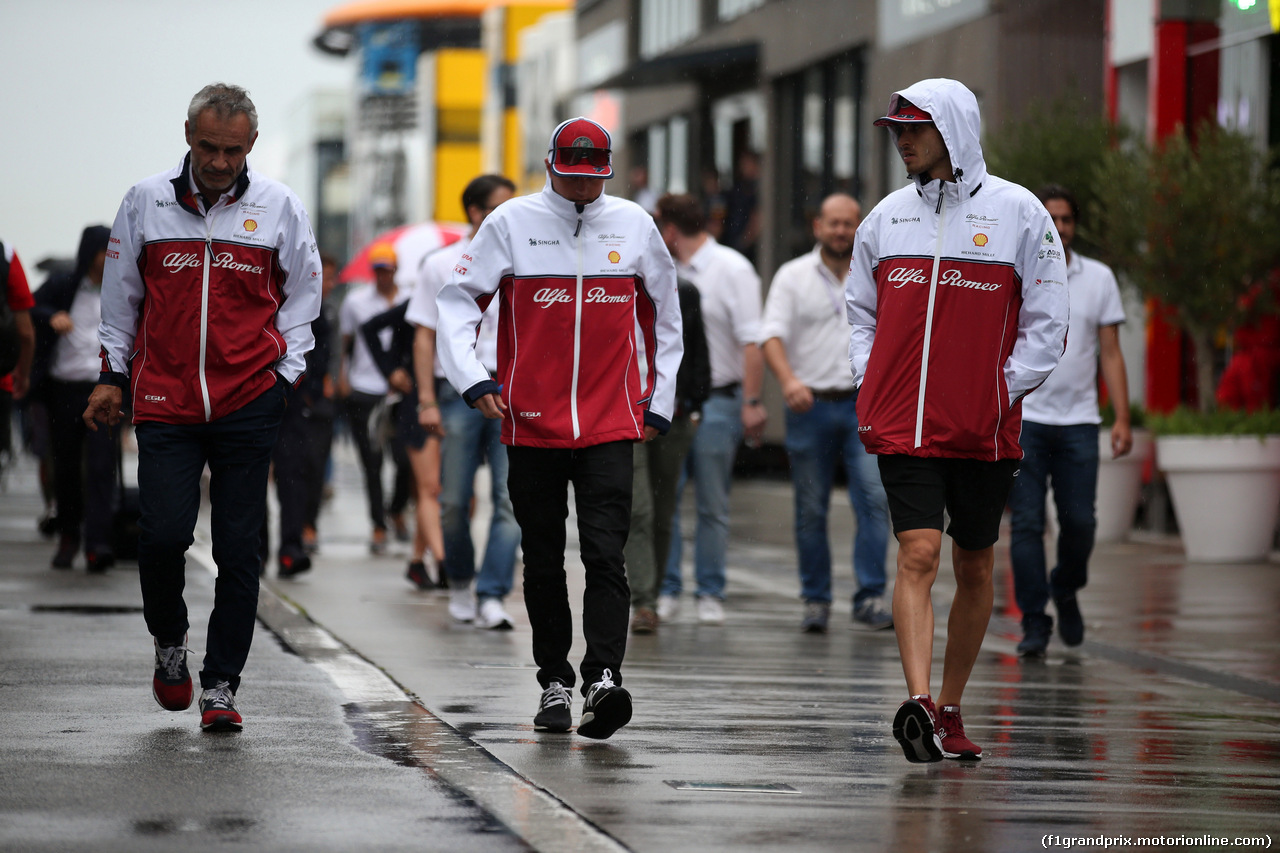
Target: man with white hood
column 589, row 341
column 958, row 301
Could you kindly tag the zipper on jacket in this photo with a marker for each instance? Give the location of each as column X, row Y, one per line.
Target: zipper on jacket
column 204, row 312
column 928, row 317
column 577, row 333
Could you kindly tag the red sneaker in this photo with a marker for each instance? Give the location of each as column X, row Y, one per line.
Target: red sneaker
column 218, row 709
column 171, row 684
column 914, row 729
column 951, row 733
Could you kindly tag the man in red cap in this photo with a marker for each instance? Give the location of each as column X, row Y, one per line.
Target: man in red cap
column 589, row 340
column 957, row 297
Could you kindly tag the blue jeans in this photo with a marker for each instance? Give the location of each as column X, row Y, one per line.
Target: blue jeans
column 471, row 438
column 171, row 458
column 816, row 441
column 1065, row 457
column 711, row 460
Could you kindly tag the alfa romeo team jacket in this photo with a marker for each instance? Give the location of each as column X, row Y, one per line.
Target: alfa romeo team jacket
column 202, row 311
column 589, row 329
column 958, row 300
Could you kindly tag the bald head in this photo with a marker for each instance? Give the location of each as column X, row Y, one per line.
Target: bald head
column 836, row 223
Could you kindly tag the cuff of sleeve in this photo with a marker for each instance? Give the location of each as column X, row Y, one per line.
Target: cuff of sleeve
column 658, row 422
column 120, row 380
column 475, row 392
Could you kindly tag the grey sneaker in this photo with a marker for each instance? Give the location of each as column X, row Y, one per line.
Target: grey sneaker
column 872, row 613
column 218, row 709
column 554, row 711
column 816, row 616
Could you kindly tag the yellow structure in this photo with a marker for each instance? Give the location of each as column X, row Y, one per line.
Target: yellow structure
column 465, row 83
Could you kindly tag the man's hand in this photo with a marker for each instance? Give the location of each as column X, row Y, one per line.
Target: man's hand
column 492, row 407
column 1121, row 439
column 61, row 323
column 104, row 406
column 400, row 380
column 798, row 396
column 429, row 418
column 650, row 433
column 753, row 421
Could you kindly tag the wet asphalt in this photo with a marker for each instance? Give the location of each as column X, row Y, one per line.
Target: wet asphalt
column 375, row 722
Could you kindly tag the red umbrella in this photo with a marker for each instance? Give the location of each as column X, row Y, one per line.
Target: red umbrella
column 411, row 242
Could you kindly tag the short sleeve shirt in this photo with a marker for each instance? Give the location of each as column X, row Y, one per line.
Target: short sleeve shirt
column 361, row 305
column 1070, row 394
column 805, row 310
column 422, row 310
column 730, row 292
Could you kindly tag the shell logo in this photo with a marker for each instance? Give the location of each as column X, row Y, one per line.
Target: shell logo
column 250, row 225
column 614, row 257
column 979, row 240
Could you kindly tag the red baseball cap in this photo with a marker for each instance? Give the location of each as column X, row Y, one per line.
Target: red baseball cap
column 904, row 112
column 581, row 147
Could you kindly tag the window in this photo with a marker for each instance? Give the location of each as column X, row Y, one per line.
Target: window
column 665, row 24
column 730, row 9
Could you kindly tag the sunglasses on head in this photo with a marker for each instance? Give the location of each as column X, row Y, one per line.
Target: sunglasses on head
column 595, row 157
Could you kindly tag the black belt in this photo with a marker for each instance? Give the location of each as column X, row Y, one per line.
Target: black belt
column 832, row 396
column 726, row 390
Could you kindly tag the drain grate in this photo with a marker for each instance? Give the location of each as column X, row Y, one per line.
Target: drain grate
column 732, row 787
column 86, row 609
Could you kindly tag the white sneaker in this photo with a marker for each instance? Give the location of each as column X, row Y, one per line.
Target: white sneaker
column 462, row 604
column 668, row 607
column 493, row 616
column 710, row 610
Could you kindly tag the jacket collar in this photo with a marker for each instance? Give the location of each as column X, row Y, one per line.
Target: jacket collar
column 566, row 209
column 184, row 186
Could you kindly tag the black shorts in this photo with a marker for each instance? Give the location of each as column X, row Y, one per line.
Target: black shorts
column 408, row 429
column 973, row 492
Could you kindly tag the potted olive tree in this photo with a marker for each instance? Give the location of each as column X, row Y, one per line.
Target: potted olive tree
column 1192, row 224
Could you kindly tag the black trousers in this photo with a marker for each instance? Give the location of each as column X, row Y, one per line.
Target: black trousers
column 301, row 454
column 369, row 442
column 538, row 480
column 84, row 466
column 171, row 457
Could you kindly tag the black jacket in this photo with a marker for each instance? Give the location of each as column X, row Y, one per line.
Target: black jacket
column 693, row 379
column 57, row 294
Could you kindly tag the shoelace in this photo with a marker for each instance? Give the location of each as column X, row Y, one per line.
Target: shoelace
column 219, row 696
column 605, row 682
column 172, row 660
column 555, row 694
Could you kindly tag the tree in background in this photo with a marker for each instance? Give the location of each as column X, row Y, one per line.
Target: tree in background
column 1192, row 222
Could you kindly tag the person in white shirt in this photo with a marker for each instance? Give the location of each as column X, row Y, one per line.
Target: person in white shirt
column 365, row 389
column 469, row 437
column 67, row 313
column 730, row 292
column 804, row 335
column 1060, row 444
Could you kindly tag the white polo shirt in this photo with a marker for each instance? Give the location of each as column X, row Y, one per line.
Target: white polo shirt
column 730, row 291
column 1070, row 394
column 362, row 304
column 805, row 310
column 422, row 310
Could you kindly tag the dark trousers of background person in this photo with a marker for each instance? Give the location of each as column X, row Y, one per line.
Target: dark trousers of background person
column 171, row 459
column 366, row 431
column 538, row 480
column 653, row 503
column 84, row 467
column 306, row 432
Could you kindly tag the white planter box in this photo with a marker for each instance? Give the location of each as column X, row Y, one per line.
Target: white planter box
column 1226, row 494
column 1119, row 484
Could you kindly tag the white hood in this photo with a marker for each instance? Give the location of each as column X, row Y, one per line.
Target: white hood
column 955, row 113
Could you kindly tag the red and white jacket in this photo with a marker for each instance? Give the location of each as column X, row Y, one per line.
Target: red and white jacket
column 202, row 310
column 589, row 329
column 957, row 296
